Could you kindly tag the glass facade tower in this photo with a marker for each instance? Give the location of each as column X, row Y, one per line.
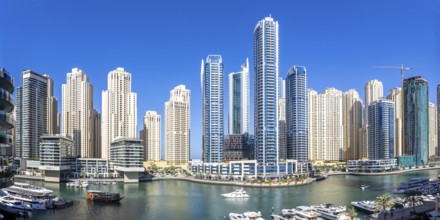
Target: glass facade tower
column 266, row 96
column 239, row 100
column 212, row 95
column 297, row 113
column 381, row 130
column 415, row 114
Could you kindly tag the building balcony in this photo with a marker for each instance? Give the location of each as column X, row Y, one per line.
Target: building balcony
column 6, row 81
column 6, row 100
column 6, row 121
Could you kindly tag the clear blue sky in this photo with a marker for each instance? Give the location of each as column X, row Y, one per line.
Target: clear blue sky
column 162, row 43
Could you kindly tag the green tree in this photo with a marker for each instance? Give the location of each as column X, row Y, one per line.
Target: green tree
column 383, row 202
column 352, row 213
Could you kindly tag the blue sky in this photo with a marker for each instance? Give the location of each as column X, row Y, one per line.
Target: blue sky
column 162, row 43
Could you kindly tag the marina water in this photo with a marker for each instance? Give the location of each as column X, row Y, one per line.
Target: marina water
column 172, row 199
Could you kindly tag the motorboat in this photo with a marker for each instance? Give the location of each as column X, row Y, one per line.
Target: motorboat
column 331, row 212
column 306, row 212
column 246, row 216
column 240, row 193
column 288, row 212
column 364, row 187
column 15, row 204
column 364, row 206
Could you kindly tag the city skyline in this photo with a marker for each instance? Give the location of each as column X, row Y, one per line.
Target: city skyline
column 230, row 62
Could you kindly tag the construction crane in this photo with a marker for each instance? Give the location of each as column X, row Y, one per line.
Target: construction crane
column 401, row 67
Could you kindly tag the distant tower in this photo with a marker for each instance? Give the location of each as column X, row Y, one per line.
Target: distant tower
column 177, row 126
column 119, row 110
column 239, row 100
column 416, row 124
column 433, row 144
column 151, row 136
column 352, row 122
column 78, row 114
column 373, row 92
column 395, row 95
column 282, row 128
column 266, row 95
column 212, row 93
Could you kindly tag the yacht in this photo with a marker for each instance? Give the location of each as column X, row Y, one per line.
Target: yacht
column 15, row 204
column 331, row 212
column 29, row 189
column 305, row 212
column 413, row 184
column 246, row 216
column 240, row 193
column 364, row 206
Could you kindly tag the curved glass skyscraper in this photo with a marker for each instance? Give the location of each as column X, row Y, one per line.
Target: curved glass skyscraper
column 297, row 114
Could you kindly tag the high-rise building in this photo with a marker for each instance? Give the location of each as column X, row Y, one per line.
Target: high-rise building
column 416, row 124
column 239, row 100
column 33, row 113
column 151, row 136
column 352, row 122
column 297, row 114
column 213, row 107
column 395, row 95
column 433, row 144
column 373, row 92
column 281, row 88
column 438, row 118
column 6, row 113
column 381, row 130
column 78, row 114
column 177, row 126
column 266, row 95
column 237, row 147
column 325, row 128
column 282, row 128
column 53, row 125
column 96, row 128
column 119, row 110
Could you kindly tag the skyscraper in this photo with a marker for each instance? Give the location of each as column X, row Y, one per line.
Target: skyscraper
column 297, row 114
column 177, row 126
column 381, row 130
column 53, row 126
column 325, row 128
column 151, row 136
column 239, row 100
column 78, row 114
column 395, row 95
column 415, row 112
column 433, row 144
column 119, row 109
column 6, row 113
column 352, row 122
column 33, row 113
column 281, row 88
column 438, row 118
column 282, row 128
column 266, row 95
column 212, row 94
column 373, row 92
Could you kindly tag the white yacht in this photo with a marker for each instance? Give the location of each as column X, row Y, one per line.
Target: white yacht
column 246, row 216
column 28, row 189
column 240, row 193
column 306, row 212
column 330, row 212
column 15, row 204
column 32, row 201
column 364, row 206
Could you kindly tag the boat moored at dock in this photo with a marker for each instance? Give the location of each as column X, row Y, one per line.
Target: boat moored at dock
column 101, row 196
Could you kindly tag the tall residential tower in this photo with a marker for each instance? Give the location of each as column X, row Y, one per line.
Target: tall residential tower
column 151, row 136
column 266, row 95
column 119, row 110
column 239, row 100
column 213, row 107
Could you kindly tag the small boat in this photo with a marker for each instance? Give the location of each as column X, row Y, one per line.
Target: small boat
column 239, row 193
column 101, row 196
column 246, row 216
column 364, row 187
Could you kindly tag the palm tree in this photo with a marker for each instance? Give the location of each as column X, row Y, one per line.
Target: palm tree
column 352, row 213
column 413, row 194
column 383, row 203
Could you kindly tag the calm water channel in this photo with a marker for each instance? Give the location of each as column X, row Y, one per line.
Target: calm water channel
column 171, row 199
